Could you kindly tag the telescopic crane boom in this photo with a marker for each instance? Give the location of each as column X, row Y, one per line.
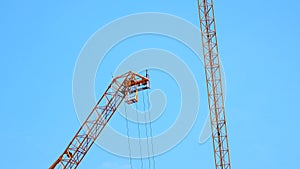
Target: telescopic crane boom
column 122, row 87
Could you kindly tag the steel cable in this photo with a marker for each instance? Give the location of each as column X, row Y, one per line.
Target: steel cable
column 146, row 129
column 150, row 124
column 139, row 133
column 129, row 147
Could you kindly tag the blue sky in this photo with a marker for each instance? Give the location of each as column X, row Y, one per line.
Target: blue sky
column 258, row 44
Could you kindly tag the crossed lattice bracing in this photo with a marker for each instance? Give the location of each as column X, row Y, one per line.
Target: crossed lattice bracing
column 119, row 89
column 214, row 84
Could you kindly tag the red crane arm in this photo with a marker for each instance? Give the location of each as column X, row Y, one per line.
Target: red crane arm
column 121, row 87
column 214, row 84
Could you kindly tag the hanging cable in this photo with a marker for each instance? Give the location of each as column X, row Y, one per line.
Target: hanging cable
column 146, row 128
column 150, row 124
column 129, row 147
column 139, row 133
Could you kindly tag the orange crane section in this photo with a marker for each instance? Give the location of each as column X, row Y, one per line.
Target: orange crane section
column 214, row 84
column 122, row 87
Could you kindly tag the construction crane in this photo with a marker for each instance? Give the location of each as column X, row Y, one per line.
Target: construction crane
column 128, row 85
column 214, row 84
column 122, row 87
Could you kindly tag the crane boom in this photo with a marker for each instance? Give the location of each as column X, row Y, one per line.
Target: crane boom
column 121, row 87
column 214, row 84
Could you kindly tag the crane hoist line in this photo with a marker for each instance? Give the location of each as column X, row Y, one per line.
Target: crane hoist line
column 129, row 84
column 122, row 87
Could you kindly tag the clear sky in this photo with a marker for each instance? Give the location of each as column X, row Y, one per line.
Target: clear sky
column 258, row 45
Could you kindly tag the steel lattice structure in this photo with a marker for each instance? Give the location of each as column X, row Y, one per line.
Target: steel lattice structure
column 128, row 85
column 124, row 86
column 214, row 84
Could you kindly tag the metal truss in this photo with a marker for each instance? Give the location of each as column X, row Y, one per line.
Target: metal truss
column 119, row 89
column 214, row 84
